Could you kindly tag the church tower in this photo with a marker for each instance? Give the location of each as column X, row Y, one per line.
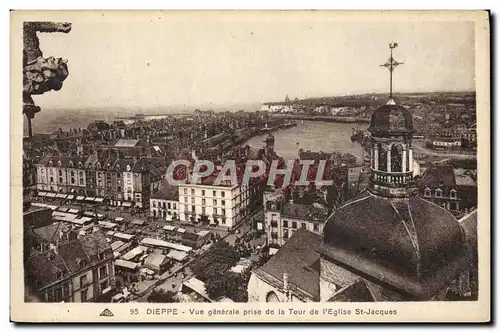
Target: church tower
column 391, row 131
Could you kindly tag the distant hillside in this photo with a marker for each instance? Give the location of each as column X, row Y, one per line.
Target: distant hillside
column 378, row 99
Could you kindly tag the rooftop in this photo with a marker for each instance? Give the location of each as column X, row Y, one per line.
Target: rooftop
column 126, row 143
column 299, row 259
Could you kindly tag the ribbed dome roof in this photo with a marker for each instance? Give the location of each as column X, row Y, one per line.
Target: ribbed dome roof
column 391, row 120
column 411, row 236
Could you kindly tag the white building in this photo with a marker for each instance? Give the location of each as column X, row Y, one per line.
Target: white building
column 224, row 205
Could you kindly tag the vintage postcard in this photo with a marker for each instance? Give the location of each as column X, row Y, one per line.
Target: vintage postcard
column 250, row 166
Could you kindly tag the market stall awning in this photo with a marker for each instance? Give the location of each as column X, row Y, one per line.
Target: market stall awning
column 119, row 219
column 127, row 204
column 51, row 195
column 73, row 211
column 138, row 222
column 42, row 193
column 80, row 198
column 181, row 230
column 169, row 227
column 70, row 197
column 177, row 255
column 90, row 199
column 99, row 199
column 52, row 207
column 61, row 195
column 63, row 209
column 126, row 264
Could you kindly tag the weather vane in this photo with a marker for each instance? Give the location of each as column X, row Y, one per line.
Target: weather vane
column 391, row 64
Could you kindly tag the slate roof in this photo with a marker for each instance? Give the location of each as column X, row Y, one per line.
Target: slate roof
column 304, row 212
column 356, row 292
column 409, row 235
column 299, row 259
column 43, row 268
column 436, row 176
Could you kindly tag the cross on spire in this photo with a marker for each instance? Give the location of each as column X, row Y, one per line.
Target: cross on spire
column 391, row 64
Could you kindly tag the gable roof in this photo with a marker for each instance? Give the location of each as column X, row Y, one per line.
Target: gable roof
column 298, row 258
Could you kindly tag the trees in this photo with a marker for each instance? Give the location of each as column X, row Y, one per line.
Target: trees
column 217, row 260
column 160, row 295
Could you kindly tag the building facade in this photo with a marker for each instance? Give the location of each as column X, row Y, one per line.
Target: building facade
column 207, row 203
column 78, row 270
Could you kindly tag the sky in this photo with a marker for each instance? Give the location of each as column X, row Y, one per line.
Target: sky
column 184, row 59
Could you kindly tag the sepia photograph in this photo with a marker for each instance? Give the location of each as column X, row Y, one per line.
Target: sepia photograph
column 250, row 166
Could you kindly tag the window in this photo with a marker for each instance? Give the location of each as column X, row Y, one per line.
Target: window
column 103, row 272
column 215, row 193
column 165, row 205
column 58, row 294
column 285, row 223
column 72, row 180
column 203, row 202
column 169, row 205
column 285, row 233
column 185, row 191
column 65, row 290
column 439, row 193
column 223, row 193
column 274, row 223
column 223, row 203
column 101, row 255
column 315, row 227
column 294, row 224
column 215, row 202
column 185, row 199
column 192, row 192
column 192, row 200
column 215, row 210
column 223, row 220
column 51, row 179
column 104, row 285
column 82, row 264
column 83, row 294
column 193, row 208
column 72, row 173
column 223, row 212
column 60, row 173
column 203, row 210
column 50, row 296
column 202, row 192
column 453, row 193
column 303, row 225
column 83, row 281
column 154, row 204
column 174, row 206
column 427, row 192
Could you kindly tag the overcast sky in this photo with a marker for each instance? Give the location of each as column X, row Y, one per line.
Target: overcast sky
column 191, row 60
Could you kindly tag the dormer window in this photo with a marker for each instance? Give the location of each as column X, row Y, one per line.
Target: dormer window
column 82, row 264
column 80, row 164
column 71, row 163
column 59, row 163
column 50, row 163
column 59, row 274
column 98, row 165
column 453, row 193
column 439, row 193
column 101, row 256
column 427, row 192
